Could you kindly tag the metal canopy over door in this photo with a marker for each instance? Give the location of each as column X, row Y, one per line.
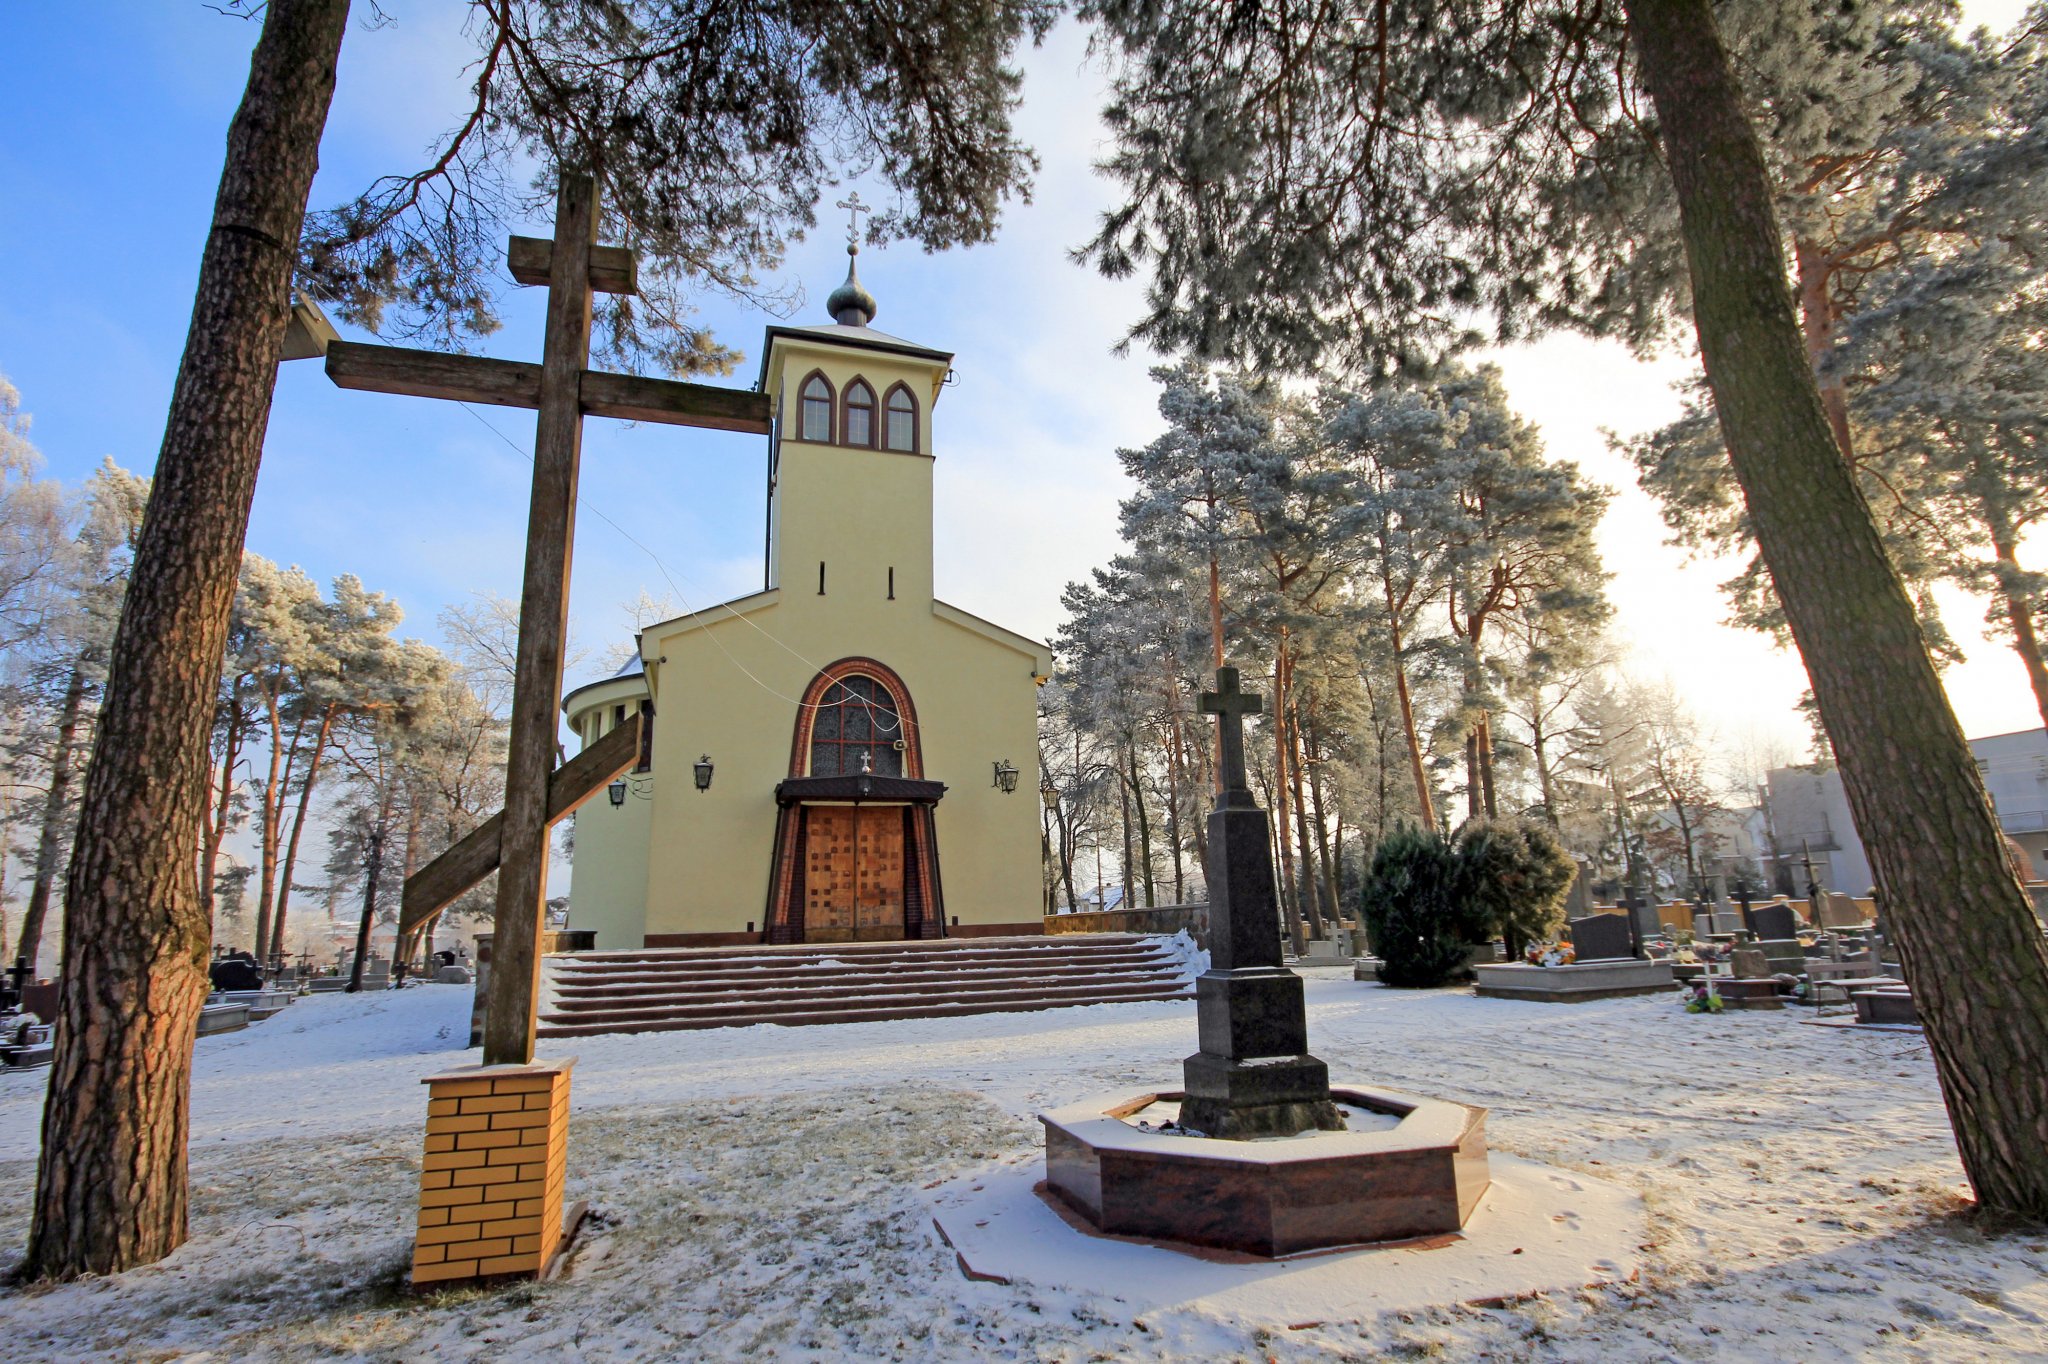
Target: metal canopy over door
column 853, row 873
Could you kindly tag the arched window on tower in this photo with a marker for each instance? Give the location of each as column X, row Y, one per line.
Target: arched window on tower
column 900, row 418
column 860, row 413
column 857, row 718
column 817, row 405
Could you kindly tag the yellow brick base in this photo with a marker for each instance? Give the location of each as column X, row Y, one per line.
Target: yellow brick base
column 491, row 1183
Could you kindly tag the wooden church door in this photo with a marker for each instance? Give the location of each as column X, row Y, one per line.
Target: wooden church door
column 853, row 874
column 878, row 898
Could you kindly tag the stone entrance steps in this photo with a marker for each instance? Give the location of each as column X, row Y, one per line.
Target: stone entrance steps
column 663, row 990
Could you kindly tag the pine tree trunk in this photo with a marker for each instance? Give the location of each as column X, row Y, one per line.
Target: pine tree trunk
column 1475, row 799
column 1423, row 799
column 291, row 849
column 2019, row 617
column 373, row 868
column 1311, row 901
column 1174, row 785
column 272, row 815
column 1144, row 824
column 110, row 1188
column 1485, row 735
column 1296, row 929
column 1967, row 935
column 1130, row 854
column 1538, row 744
column 1817, row 325
column 217, row 825
column 1329, row 867
column 50, row 842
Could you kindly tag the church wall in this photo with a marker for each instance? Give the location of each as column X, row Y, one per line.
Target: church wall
column 859, row 510
column 608, row 875
column 708, row 862
column 699, row 871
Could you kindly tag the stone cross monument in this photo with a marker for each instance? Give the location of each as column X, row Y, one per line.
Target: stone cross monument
column 1253, row 1076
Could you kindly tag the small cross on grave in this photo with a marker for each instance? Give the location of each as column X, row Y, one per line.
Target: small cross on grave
column 1230, row 706
column 563, row 390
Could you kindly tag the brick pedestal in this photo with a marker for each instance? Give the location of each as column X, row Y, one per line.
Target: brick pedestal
column 491, row 1183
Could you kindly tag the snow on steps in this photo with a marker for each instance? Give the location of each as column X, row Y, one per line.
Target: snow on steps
column 662, row 990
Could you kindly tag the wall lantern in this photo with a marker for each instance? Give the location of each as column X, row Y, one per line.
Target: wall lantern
column 1006, row 777
column 617, row 791
column 702, row 768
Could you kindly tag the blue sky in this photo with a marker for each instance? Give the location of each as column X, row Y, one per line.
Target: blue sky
column 112, row 145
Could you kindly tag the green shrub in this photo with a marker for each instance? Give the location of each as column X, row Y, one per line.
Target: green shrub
column 1517, row 877
column 1413, row 906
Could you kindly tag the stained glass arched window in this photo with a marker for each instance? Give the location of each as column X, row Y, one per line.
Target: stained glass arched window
column 860, row 413
column 857, row 717
column 817, row 413
column 899, row 418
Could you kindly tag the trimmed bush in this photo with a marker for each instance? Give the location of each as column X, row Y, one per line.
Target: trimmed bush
column 1429, row 899
column 1413, row 908
column 1517, row 877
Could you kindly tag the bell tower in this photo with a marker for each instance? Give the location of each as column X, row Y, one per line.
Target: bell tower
column 850, row 462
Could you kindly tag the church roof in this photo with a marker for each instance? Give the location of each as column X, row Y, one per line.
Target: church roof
column 861, row 338
column 852, row 308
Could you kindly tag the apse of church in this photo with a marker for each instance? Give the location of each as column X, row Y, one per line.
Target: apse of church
column 824, row 751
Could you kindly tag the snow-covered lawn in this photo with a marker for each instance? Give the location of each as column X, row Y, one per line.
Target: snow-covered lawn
column 757, row 1191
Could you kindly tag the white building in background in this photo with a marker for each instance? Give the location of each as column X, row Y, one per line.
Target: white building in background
column 1808, row 806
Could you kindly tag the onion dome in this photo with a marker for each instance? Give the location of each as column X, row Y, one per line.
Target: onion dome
column 851, row 305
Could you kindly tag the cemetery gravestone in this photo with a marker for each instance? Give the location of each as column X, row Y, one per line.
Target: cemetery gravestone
column 1777, row 922
column 1839, row 911
column 1602, row 937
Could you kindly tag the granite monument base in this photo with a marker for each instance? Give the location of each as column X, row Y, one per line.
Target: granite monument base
column 1420, row 1177
column 1574, row 984
column 1253, row 1076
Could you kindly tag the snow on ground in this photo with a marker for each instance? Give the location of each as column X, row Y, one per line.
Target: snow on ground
column 757, row 1191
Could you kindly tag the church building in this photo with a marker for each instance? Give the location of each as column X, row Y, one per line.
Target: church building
column 841, row 756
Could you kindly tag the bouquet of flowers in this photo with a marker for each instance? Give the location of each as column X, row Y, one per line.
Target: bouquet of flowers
column 1701, row 998
column 1550, row 954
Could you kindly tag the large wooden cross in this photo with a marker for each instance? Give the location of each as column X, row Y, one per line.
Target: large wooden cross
column 563, row 388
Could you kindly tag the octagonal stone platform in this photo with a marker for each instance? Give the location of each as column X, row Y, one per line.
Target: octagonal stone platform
column 1421, row 1177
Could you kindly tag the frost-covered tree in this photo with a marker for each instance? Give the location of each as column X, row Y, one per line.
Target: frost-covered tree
column 1912, row 198
column 713, row 128
column 1361, row 184
column 64, row 671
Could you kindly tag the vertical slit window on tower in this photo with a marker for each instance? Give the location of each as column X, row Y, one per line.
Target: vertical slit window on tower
column 821, row 577
column 901, row 418
column 817, row 409
column 860, row 414
column 892, row 584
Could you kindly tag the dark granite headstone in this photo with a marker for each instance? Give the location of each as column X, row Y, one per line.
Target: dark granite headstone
column 1253, row 1076
column 1648, row 918
column 1776, row 921
column 1602, row 937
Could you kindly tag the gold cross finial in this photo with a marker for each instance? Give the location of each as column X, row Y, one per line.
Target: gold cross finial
column 854, row 208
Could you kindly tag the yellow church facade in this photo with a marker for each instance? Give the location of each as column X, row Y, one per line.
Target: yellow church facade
column 841, row 756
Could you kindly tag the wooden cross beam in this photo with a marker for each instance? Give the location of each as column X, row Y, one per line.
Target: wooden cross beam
column 442, row 881
column 562, row 389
